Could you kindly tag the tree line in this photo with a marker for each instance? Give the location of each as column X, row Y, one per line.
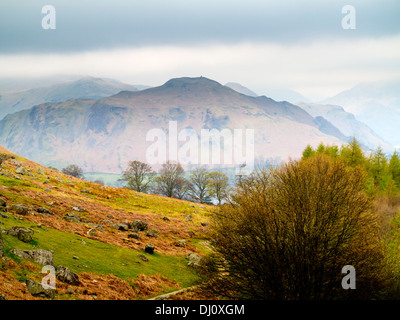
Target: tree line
column 201, row 185
column 383, row 173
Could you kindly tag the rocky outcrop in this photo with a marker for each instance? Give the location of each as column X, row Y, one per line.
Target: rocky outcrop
column 40, row 256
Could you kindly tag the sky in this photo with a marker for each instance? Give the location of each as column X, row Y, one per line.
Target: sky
column 299, row 45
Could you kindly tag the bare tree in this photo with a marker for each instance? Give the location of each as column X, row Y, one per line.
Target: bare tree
column 138, row 176
column 73, row 170
column 198, row 185
column 218, row 185
column 170, row 180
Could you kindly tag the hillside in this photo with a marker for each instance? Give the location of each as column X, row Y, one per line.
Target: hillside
column 103, row 135
column 85, row 225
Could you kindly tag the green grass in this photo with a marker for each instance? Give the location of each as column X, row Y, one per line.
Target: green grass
column 99, row 257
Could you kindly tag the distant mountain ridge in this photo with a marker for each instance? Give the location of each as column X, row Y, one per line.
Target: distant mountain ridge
column 377, row 105
column 347, row 124
column 84, row 88
column 102, row 135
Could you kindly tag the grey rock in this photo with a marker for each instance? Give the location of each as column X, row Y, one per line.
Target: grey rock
column 15, row 162
column 40, row 256
column 194, row 260
column 20, row 209
column 20, row 170
column 40, row 171
column 134, row 235
column 44, row 211
column 72, row 217
column 121, row 226
column 151, row 233
column 25, row 235
column 36, row 289
column 139, row 225
column 65, row 275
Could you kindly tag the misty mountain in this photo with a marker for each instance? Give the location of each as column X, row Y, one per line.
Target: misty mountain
column 102, row 135
column 85, row 88
column 241, row 89
column 375, row 104
column 347, row 124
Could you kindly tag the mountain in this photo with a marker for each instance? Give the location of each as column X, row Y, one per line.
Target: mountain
column 377, row 105
column 284, row 94
column 90, row 229
column 347, row 124
column 102, row 135
column 241, row 89
column 85, row 88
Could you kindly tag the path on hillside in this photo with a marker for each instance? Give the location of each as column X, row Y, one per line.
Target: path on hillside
column 170, row 294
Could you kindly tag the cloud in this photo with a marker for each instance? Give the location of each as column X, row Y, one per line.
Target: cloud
column 101, row 25
column 317, row 68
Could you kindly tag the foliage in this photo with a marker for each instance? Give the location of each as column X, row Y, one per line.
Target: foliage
column 289, row 231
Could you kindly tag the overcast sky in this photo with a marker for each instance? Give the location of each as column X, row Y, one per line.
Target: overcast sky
column 261, row 44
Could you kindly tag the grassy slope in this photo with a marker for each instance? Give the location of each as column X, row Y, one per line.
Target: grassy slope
column 110, row 252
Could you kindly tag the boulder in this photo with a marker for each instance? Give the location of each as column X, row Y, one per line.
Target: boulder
column 194, row 260
column 25, row 235
column 134, row 235
column 15, row 230
column 36, row 289
column 121, row 226
column 139, row 225
column 180, row 243
column 40, row 171
column 40, row 256
column 44, row 211
column 149, row 248
column 16, row 162
column 151, row 233
column 20, row 170
column 65, row 275
column 20, row 209
column 72, row 217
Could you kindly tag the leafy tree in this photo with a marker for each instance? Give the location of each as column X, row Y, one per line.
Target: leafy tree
column 352, row 154
column 73, row 170
column 171, row 180
column 289, row 231
column 394, row 168
column 379, row 169
column 218, row 185
column 308, row 152
column 138, row 176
